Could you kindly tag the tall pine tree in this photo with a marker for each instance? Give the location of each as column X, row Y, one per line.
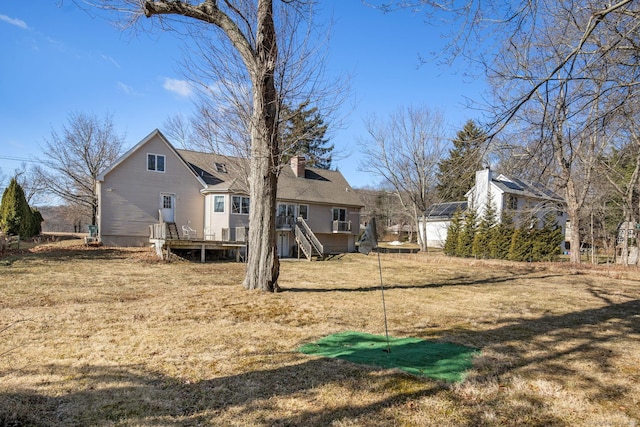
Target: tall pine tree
column 456, row 174
column 467, row 234
column 482, row 239
column 303, row 133
column 500, row 237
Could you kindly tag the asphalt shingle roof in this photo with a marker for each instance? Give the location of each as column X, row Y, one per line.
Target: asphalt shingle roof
column 317, row 186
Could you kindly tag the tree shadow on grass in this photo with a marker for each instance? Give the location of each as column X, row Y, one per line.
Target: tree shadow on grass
column 460, row 280
column 66, row 254
column 104, row 395
column 130, row 395
column 577, row 350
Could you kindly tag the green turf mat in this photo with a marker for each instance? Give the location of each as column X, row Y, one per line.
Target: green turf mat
column 438, row 360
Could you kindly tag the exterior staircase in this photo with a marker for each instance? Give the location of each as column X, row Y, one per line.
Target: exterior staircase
column 172, row 231
column 307, row 241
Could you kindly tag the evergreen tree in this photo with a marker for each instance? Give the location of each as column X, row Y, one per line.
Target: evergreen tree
column 466, row 234
column 453, row 232
column 16, row 217
column 517, row 249
column 521, row 248
column 483, row 236
column 456, row 174
column 500, row 238
column 303, row 133
column 35, row 223
column 547, row 241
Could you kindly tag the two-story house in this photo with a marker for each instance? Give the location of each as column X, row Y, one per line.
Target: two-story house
column 522, row 199
column 155, row 191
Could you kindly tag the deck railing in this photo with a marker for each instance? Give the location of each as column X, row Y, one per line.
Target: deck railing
column 157, row 231
column 304, row 243
column 285, row 222
column 310, row 236
column 341, row 226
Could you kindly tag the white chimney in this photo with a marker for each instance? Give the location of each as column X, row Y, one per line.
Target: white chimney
column 298, row 165
column 482, row 190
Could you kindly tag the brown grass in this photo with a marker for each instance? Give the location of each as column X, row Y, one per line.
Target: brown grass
column 103, row 336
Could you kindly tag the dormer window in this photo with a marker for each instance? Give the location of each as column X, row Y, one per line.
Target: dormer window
column 155, row 162
column 221, row 167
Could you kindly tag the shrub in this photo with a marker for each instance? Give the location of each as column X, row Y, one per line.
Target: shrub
column 16, row 217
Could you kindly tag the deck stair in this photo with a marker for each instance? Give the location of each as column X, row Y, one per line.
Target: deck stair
column 307, row 240
column 172, row 231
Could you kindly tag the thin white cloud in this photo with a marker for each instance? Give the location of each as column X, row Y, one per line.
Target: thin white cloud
column 14, row 21
column 180, row 87
column 111, row 60
column 57, row 45
column 127, row 90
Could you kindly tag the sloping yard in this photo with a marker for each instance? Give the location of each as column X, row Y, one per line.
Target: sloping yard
column 102, row 336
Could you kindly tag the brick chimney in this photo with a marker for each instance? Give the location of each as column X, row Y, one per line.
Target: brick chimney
column 298, row 165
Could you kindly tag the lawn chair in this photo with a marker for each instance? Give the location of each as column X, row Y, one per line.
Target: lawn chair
column 188, row 233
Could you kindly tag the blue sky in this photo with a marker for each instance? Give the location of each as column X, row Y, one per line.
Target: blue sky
column 58, row 59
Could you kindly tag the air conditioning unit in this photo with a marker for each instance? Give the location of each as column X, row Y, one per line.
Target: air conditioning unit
column 241, row 234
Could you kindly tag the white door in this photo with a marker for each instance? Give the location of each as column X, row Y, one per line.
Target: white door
column 168, row 206
column 283, row 245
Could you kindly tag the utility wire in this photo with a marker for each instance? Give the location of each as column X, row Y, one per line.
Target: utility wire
column 18, row 159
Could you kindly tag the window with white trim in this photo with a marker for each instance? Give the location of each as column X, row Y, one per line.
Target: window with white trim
column 286, row 210
column 155, row 162
column 240, row 205
column 218, row 204
column 339, row 214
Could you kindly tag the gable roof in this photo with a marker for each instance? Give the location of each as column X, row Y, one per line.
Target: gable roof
column 155, row 133
column 317, row 186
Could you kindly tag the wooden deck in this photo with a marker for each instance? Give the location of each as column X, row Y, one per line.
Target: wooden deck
column 165, row 246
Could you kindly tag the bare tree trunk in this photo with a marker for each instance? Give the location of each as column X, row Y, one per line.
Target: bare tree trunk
column 624, row 255
column 421, row 226
column 263, row 264
column 573, row 210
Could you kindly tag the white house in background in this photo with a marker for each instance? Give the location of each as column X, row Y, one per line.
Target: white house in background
column 521, row 198
column 202, row 198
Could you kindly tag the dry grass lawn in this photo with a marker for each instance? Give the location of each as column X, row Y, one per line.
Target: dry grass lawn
column 104, row 336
